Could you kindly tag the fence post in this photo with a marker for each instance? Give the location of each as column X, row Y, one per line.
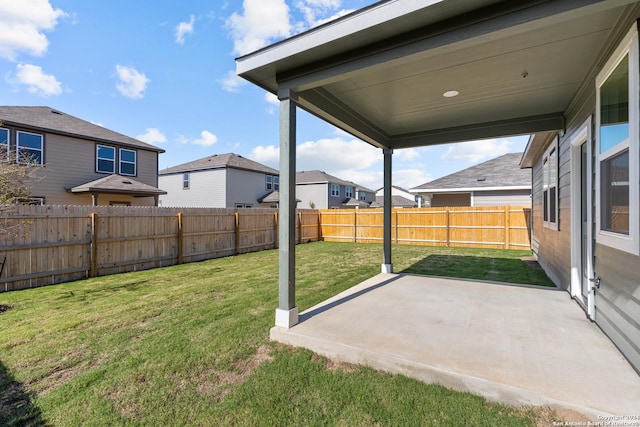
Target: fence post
column 355, row 226
column 507, row 227
column 276, row 230
column 396, row 215
column 319, row 218
column 448, row 228
column 299, row 227
column 237, row 233
column 180, row 239
column 94, row 244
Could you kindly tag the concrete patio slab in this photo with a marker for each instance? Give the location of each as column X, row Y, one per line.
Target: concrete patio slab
column 514, row 344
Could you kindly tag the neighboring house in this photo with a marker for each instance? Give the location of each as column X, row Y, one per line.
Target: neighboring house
column 563, row 71
column 220, row 181
column 400, row 198
column 319, row 190
column 81, row 163
column 496, row 182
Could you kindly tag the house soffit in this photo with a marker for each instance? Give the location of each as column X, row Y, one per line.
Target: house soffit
column 516, row 66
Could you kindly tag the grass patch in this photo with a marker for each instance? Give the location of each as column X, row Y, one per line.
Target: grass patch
column 188, row 345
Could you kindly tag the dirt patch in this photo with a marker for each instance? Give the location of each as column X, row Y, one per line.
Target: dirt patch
column 333, row 365
column 546, row 416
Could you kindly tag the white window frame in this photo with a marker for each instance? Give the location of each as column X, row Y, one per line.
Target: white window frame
column 7, row 144
column 103, row 158
column 335, row 190
column 276, row 183
column 186, row 180
column 550, row 171
column 268, row 183
column 135, row 162
column 628, row 243
column 349, row 192
column 41, row 149
column 362, row 196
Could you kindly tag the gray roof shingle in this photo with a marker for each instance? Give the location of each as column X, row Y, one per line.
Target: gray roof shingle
column 118, row 184
column 317, row 176
column 218, row 161
column 47, row 119
column 503, row 171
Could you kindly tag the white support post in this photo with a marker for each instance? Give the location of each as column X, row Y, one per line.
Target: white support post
column 387, row 266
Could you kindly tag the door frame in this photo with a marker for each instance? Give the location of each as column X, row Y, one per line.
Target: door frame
column 582, row 136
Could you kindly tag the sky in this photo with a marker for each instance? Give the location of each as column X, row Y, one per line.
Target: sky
column 163, row 72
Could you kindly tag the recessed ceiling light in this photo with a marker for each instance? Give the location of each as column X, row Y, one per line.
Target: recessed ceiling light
column 450, row 93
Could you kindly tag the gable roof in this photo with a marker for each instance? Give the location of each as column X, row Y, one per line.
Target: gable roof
column 396, row 201
column 47, row 119
column 501, row 172
column 118, row 184
column 220, row 161
column 321, row 177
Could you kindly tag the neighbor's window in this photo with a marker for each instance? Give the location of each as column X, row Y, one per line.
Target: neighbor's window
column 335, row 190
column 127, row 162
column 348, row 191
column 105, row 159
column 29, row 147
column 617, row 148
column 185, row 180
column 272, row 183
column 4, row 144
column 363, row 196
column 550, row 186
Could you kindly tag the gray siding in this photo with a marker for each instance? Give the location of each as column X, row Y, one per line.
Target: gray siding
column 207, row 189
column 316, row 193
column 245, row 187
column 71, row 161
column 618, row 299
column 502, row 198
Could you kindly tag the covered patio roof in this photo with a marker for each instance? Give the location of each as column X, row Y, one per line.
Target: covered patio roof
column 117, row 184
column 381, row 73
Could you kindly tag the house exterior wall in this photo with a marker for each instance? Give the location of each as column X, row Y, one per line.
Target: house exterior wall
column 318, row 194
column 617, row 301
column 450, row 200
column 207, row 189
column 502, row 198
column 69, row 162
column 245, row 187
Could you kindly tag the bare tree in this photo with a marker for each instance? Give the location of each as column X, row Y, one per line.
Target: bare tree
column 15, row 187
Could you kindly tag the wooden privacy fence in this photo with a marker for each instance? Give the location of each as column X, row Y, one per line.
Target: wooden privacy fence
column 506, row 227
column 54, row 244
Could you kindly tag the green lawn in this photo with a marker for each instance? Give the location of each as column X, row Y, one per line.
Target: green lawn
column 188, row 345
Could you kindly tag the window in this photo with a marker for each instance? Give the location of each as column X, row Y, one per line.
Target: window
column 617, row 138
column 550, row 186
column 185, row 180
column 36, row 201
column 272, row 183
column 29, row 147
column 4, row 144
column 348, row 191
column 335, row 190
column 243, row 205
column 105, row 159
column 363, row 196
column 127, row 162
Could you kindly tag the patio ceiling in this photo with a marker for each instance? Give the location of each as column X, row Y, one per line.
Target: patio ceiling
column 381, row 72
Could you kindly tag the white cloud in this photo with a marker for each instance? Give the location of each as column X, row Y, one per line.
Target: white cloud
column 317, row 12
column 36, row 80
column 23, row 23
column 409, row 178
column 261, row 22
column 475, row 151
column 406, row 154
column 152, row 136
column 132, row 83
column 183, row 29
column 231, row 82
column 272, row 103
column 269, row 155
column 206, row 139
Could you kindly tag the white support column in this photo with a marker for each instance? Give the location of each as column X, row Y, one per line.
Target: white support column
column 287, row 311
column 387, row 266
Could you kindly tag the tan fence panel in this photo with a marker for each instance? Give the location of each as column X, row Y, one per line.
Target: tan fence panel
column 477, row 227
